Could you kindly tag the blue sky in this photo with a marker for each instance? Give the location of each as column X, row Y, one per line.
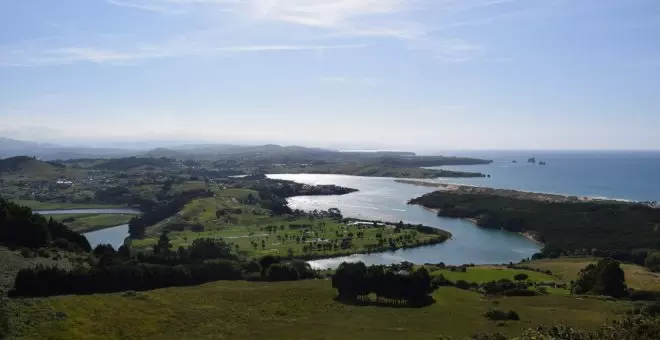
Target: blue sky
column 405, row 74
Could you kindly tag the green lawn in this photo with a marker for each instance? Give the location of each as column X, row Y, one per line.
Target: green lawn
column 287, row 310
column 89, row 222
column 567, row 269
column 271, row 234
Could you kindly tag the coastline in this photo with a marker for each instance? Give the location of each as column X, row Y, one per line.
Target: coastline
column 510, row 193
column 530, row 235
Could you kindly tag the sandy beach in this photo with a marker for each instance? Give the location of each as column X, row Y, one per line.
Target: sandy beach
column 524, row 195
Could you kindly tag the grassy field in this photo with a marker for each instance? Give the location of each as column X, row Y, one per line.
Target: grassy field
column 483, row 274
column 257, row 233
column 90, row 222
column 288, row 310
column 567, row 269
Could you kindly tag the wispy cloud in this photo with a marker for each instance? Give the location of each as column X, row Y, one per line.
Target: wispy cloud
column 33, row 57
column 418, row 25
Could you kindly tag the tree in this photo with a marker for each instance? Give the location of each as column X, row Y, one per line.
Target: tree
column 604, row 278
column 163, row 246
column 282, row 272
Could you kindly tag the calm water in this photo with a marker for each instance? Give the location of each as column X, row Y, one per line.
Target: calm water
column 114, row 236
column 384, row 199
column 631, row 176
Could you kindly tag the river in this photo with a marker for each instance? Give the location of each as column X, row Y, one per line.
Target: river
column 384, row 199
column 114, row 235
column 377, row 199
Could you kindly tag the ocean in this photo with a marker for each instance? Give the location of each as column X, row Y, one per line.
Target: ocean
column 605, row 174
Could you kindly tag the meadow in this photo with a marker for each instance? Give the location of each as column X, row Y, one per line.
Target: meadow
column 288, row 310
column 567, row 269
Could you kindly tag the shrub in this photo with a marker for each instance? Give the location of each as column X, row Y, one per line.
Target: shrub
column 439, row 281
column 252, row 267
column 521, row 277
column 27, row 253
column 462, row 284
column 499, row 315
column 282, row 272
column 651, row 309
column 65, row 245
column 513, row 315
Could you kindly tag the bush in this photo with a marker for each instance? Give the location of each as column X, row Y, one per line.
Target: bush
column 252, row 267
column 651, row 309
column 440, row 281
column 26, row 253
column 282, row 272
column 498, row 315
column 462, row 284
column 521, row 277
column 65, row 245
column 513, row 315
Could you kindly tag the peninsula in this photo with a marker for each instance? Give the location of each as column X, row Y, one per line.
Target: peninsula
column 567, row 225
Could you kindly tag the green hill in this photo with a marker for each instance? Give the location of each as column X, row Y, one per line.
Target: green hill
column 29, row 166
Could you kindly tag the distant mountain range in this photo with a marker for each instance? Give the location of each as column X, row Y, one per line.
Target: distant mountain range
column 47, row 152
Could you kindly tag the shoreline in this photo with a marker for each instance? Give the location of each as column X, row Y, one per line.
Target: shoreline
column 526, row 234
column 512, row 193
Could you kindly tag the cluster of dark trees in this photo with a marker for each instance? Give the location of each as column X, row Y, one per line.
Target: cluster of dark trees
column 138, row 225
column 204, row 261
column 626, row 231
column 45, row 281
column 355, row 281
column 603, row 278
column 19, row 227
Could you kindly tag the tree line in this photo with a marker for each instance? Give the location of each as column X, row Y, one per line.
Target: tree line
column 20, row 227
column 355, row 281
column 204, row 261
column 625, row 231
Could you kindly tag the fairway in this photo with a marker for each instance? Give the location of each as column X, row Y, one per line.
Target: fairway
column 253, row 231
column 287, row 310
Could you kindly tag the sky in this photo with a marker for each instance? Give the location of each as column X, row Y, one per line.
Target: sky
column 395, row 74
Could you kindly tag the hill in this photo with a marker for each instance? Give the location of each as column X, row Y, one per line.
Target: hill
column 12, row 147
column 19, row 227
column 288, row 310
column 123, row 164
column 28, row 166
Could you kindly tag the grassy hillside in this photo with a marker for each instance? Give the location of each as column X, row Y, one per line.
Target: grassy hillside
column 89, row 222
column 567, row 269
column 290, row 310
column 33, row 168
column 483, row 274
